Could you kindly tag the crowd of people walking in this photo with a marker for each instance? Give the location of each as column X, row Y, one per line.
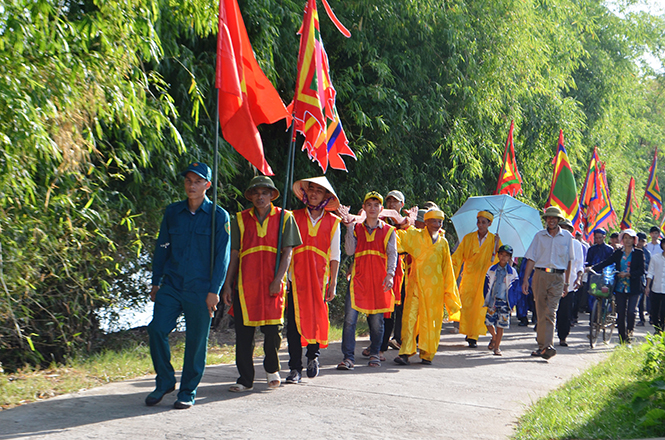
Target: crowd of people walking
column 268, row 262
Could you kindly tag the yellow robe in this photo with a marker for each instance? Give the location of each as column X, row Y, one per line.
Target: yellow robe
column 476, row 260
column 431, row 285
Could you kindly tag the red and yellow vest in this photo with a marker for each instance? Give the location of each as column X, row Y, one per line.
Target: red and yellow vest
column 369, row 271
column 310, row 273
column 258, row 252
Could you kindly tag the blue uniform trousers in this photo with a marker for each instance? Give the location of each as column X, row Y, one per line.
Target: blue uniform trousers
column 169, row 304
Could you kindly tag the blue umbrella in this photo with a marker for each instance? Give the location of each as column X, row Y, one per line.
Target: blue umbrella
column 516, row 222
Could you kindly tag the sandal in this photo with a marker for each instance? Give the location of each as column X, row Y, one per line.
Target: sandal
column 497, row 352
column 365, row 352
column 274, row 380
column 346, row 364
column 374, row 361
column 491, row 345
column 402, row 360
column 239, row 388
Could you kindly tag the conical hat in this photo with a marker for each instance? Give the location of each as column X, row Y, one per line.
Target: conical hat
column 300, row 186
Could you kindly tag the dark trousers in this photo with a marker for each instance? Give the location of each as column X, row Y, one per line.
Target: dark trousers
column 392, row 324
column 582, row 300
column 657, row 310
column 643, row 305
column 294, row 339
column 524, row 304
column 564, row 315
column 245, row 347
column 625, row 314
column 169, row 304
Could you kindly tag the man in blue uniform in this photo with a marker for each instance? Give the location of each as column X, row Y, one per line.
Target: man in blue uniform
column 183, row 282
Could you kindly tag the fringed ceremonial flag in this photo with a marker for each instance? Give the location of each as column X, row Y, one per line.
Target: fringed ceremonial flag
column 626, row 221
column 313, row 106
column 652, row 191
column 595, row 202
column 510, row 181
column 563, row 191
column 246, row 96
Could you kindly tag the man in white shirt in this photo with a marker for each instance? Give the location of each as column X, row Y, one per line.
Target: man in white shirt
column 551, row 254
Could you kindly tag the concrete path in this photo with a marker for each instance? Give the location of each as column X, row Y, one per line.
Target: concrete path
column 465, row 394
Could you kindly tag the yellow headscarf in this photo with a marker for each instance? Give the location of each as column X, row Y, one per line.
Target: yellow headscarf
column 434, row 213
column 488, row 215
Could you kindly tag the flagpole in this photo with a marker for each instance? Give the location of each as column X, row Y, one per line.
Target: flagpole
column 288, row 182
column 214, row 189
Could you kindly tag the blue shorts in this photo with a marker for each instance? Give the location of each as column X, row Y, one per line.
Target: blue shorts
column 499, row 316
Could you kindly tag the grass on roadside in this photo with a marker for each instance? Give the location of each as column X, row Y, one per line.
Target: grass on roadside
column 126, row 356
column 603, row 402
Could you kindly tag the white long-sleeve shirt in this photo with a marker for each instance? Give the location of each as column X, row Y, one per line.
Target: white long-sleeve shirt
column 657, row 273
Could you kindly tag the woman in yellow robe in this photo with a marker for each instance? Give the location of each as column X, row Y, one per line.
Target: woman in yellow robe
column 475, row 253
column 430, row 285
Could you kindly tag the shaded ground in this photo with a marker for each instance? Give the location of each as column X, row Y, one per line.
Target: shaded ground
column 466, row 393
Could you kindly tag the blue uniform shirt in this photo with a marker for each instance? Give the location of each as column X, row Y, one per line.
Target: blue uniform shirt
column 598, row 253
column 182, row 252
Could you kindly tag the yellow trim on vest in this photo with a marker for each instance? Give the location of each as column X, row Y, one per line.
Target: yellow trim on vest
column 316, row 250
column 313, row 230
column 369, row 237
column 262, row 228
column 258, row 249
column 372, row 252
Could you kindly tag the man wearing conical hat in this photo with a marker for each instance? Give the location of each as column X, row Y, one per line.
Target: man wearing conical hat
column 430, row 287
column 313, row 275
column 473, row 257
column 551, row 253
column 259, row 301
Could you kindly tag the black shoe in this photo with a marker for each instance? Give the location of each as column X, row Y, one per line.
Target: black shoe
column 472, row 343
column 524, row 322
column 313, row 368
column 155, row 397
column 563, row 343
column 402, row 360
column 549, row 352
column 179, row 404
column 294, row 377
column 425, row 362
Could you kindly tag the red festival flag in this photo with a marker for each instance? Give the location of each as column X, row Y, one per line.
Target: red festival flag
column 595, row 200
column 246, row 96
column 510, row 181
column 563, row 191
column 652, row 191
column 313, row 104
column 626, row 221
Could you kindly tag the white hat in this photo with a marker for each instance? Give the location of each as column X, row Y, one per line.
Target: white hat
column 299, row 188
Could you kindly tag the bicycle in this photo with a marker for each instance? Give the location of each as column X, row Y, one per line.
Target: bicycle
column 603, row 315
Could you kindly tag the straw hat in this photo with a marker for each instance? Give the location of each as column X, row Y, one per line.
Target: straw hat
column 554, row 211
column 300, row 186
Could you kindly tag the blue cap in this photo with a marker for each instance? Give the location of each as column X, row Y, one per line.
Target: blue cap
column 199, row 168
column 600, row 231
column 506, row 248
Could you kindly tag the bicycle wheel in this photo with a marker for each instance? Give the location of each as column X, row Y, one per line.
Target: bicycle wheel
column 610, row 319
column 594, row 322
